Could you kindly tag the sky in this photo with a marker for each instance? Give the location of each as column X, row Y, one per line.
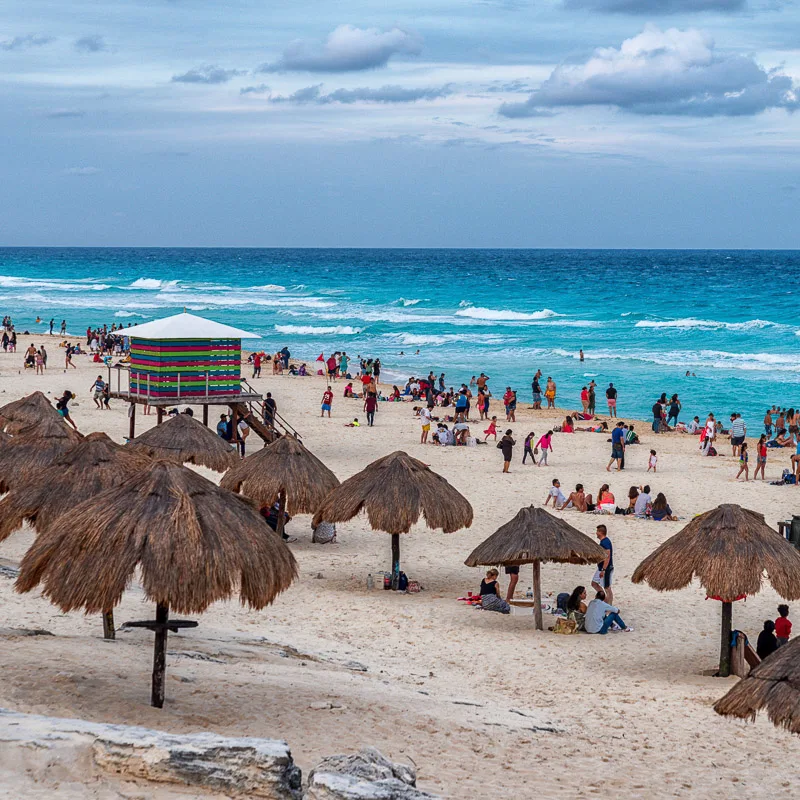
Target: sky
column 444, row 123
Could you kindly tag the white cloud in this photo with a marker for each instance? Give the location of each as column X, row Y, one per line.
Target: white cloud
column 347, row 49
column 675, row 72
column 208, row 74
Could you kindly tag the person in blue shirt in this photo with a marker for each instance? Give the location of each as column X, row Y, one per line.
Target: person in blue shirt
column 603, row 575
column 617, row 446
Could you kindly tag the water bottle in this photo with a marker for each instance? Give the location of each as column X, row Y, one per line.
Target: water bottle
column 370, row 582
column 529, row 593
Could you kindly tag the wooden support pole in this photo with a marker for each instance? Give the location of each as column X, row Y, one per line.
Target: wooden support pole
column 537, row 596
column 159, row 414
column 132, row 422
column 395, row 560
column 160, row 657
column 205, row 414
column 108, row 625
column 725, row 640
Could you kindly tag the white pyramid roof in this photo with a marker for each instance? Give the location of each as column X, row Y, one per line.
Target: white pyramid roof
column 186, row 326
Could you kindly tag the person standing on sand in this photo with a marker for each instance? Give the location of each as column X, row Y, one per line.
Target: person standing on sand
column 617, row 447
column 52, row 323
column 544, row 445
column 63, row 327
column 761, row 457
column 603, row 576
column 585, row 400
column 370, row 407
column 68, row 357
column 327, row 402
column 537, row 391
column 425, row 421
column 529, row 448
column 592, row 396
column 506, row 444
column 611, row 399
column 550, row 392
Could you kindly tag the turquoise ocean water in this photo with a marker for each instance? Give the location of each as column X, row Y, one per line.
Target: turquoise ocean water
column 643, row 318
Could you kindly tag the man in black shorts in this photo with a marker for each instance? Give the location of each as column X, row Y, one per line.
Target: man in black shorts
column 513, row 573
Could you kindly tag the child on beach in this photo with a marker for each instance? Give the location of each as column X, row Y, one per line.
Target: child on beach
column 543, row 445
column 783, row 625
column 761, row 457
column 529, row 448
column 652, row 463
column 491, row 430
column 327, row 402
column 743, row 459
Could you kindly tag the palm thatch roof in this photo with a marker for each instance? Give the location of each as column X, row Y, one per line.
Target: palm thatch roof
column 183, row 439
column 33, row 449
column 536, row 535
column 26, row 411
column 90, row 467
column 5, row 437
column 729, row 549
column 285, row 466
column 774, row 686
column 395, row 491
column 194, row 543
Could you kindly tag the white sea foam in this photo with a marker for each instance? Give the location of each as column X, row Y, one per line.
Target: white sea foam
column 127, row 314
column 43, row 284
column 151, row 283
column 406, row 303
column 422, row 340
column 237, row 299
column 499, row 316
column 310, row 330
column 271, row 287
column 690, row 323
column 464, row 304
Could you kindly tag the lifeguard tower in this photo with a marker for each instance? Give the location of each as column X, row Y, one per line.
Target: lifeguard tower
column 186, row 359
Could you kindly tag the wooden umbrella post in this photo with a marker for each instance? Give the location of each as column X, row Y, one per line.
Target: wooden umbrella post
column 159, row 415
column 108, row 625
column 205, row 414
column 160, row 656
column 132, row 418
column 537, row 596
column 281, row 512
column 725, row 640
column 395, row 561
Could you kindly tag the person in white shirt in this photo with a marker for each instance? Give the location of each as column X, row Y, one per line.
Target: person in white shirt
column 600, row 616
column 642, row 502
column 556, row 495
column 425, row 421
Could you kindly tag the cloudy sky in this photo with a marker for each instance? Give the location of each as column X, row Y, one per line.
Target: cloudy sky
column 465, row 123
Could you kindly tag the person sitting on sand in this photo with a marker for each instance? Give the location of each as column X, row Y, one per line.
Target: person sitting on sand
column 490, row 593
column 576, row 606
column 324, row 533
column 767, row 642
column 600, row 616
column 568, row 426
column 633, row 496
column 661, row 510
column 556, row 495
column 631, row 437
column 579, row 500
column 694, row 426
column 643, row 502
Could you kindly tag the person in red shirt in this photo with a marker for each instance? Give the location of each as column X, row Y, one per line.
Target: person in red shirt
column 256, row 365
column 761, row 457
column 585, row 400
column 783, row 625
column 332, row 367
column 327, row 402
column 371, row 406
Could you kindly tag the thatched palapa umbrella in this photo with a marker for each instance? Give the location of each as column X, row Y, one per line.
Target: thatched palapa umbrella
column 729, row 549
column 773, row 685
column 90, row 467
column 532, row 537
column 193, row 542
column 26, row 411
column 33, row 449
column 395, row 491
column 183, row 439
column 284, row 472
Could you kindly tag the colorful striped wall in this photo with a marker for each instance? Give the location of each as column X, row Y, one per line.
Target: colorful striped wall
column 168, row 368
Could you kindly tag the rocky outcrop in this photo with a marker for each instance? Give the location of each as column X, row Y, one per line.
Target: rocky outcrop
column 366, row 775
column 254, row 767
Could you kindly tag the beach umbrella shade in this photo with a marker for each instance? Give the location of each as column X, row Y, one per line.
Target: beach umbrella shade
column 4, row 437
column 86, row 469
column 774, row 686
column 193, row 543
column 183, row 439
column 534, row 536
column 285, row 472
column 729, row 550
column 26, row 411
column 395, row 491
column 33, row 449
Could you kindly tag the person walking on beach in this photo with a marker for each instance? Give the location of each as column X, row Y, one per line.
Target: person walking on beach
column 68, row 357
column 544, row 444
column 603, row 576
column 611, row 399
column 270, row 409
column 370, row 407
column 743, row 462
column 62, row 406
column 528, row 451
column 327, row 402
column 97, row 387
column 617, row 447
column 256, row 365
column 506, row 444
column 761, row 457
column 491, row 430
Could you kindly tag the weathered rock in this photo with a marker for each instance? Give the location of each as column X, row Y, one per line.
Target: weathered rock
column 368, row 764
column 330, row 786
column 255, row 767
column 366, row 775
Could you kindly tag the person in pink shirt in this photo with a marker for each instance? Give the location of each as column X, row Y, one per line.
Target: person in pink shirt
column 544, row 444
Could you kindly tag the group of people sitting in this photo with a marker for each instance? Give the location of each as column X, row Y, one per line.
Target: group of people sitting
column 640, row 502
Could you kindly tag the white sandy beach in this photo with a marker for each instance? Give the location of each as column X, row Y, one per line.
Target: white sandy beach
column 482, row 703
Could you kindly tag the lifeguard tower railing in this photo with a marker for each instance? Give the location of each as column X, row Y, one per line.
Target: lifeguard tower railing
column 247, row 398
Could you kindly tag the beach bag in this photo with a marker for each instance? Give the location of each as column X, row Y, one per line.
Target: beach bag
column 499, row 445
column 413, row 587
column 565, row 626
column 402, row 582
column 561, row 601
column 536, row 451
column 712, row 451
column 472, row 442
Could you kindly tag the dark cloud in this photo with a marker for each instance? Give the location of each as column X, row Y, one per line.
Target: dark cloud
column 65, row 113
column 672, row 72
column 509, row 86
column 262, row 88
column 25, row 42
column 90, row 44
column 385, row 94
column 208, row 74
column 346, row 49
column 656, row 6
